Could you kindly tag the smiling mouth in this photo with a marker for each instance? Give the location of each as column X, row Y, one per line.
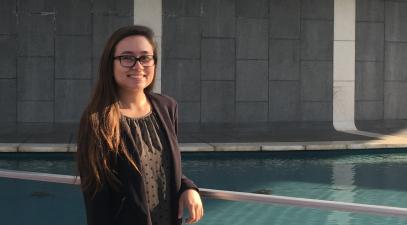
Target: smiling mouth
column 136, row 76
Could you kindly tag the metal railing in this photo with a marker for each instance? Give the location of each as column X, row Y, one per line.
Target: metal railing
column 234, row 196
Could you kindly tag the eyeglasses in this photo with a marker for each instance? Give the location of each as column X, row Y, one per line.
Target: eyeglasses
column 129, row 61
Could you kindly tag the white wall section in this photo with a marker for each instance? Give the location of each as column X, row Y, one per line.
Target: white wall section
column 149, row 13
column 344, row 65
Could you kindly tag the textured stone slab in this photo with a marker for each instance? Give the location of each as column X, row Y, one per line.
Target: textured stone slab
column 316, row 74
column 189, row 112
column 369, row 81
column 282, row 147
column 35, row 111
column 218, row 104
column 218, row 18
column 196, row 147
column 395, row 61
column 284, row 101
column 369, row 41
column 369, row 110
column 35, row 78
column 317, row 40
column 71, row 97
column 227, row 147
column 370, row 10
column 74, row 17
column 317, row 9
column 284, row 59
column 182, row 79
column 317, row 111
column 33, row 147
column 251, row 111
column 252, row 9
column 396, row 21
column 182, row 38
column 251, row 80
column 36, row 34
column 8, row 147
column 252, row 38
column 218, row 59
column 73, row 57
column 8, row 56
column 8, row 100
column 285, row 19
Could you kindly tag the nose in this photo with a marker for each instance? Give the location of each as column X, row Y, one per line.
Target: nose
column 137, row 65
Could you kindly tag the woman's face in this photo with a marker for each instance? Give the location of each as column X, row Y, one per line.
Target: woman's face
column 136, row 77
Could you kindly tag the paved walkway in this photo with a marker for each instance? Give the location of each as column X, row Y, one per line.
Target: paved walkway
column 26, row 137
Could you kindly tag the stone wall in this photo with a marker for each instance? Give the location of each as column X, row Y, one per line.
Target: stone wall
column 49, row 55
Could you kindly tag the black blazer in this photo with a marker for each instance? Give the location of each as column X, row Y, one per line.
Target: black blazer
column 129, row 205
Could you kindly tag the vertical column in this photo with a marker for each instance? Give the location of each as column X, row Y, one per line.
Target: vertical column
column 149, row 13
column 344, row 65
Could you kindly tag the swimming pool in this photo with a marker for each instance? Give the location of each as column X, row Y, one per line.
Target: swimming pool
column 371, row 177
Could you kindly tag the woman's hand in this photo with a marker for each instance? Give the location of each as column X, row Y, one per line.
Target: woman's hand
column 191, row 200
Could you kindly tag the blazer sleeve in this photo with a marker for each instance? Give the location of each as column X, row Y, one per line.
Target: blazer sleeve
column 98, row 211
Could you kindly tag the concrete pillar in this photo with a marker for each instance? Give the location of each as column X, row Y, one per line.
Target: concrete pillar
column 344, row 65
column 149, row 13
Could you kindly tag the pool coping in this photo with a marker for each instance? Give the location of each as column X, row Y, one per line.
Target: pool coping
column 226, row 147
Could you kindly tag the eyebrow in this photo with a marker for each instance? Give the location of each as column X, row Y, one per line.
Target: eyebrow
column 130, row 52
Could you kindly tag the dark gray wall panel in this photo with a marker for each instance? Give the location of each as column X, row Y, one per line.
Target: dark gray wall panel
column 317, row 111
column 8, row 99
column 218, row 18
column 317, row 40
column 251, row 80
column 36, row 34
column 103, row 26
column 284, row 101
column 71, row 97
column 8, row 56
column 182, row 79
column 189, row 112
column 369, row 81
column 182, row 8
column 289, row 12
column 122, row 7
column 218, row 101
column 395, row 61
column 35, row 78
column 182, row 38
column 252, row 9
column 369, row 41
column 370, row 10
column 317, row 9
column 316, row 81
column 218, row 59
column 35, row 111
column 369, row 110
column 252, row 41
column 396, row 21
column 251, row 112
column 284, row 60
column 73, row 17
column 73, row 57
column 395, row 101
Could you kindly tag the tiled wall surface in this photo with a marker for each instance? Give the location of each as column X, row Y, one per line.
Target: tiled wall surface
column 249, row 61
column 223, row 60
column 49, row 55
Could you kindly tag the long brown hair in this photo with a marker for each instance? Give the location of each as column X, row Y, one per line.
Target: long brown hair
column 99, row 136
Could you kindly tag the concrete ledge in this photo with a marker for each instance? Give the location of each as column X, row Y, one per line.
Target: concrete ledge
column 34, row 147
column 224, row 147
column 8, row 147
column 196, row 147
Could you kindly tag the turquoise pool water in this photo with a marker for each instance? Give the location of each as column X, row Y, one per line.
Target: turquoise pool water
column 371, row 177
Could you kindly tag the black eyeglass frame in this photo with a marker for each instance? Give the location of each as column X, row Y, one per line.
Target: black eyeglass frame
column 136, row 59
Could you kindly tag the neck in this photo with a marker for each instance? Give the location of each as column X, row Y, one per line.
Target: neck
column 132, row 100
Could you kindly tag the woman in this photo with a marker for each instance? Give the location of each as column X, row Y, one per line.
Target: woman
column 128, row 156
